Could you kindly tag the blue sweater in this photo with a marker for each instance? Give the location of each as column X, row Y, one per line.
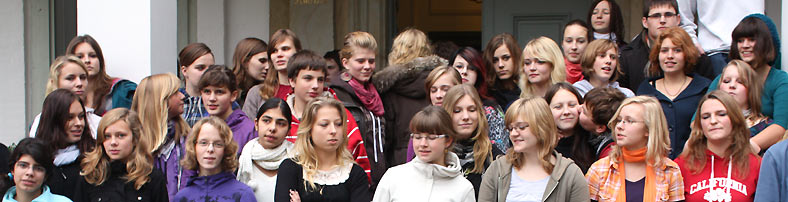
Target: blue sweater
column 45, row 196
column 773, row 178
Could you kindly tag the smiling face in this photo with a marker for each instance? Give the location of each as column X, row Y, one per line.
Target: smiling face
column 88, row 55
column 209, row 150
column 605, row 65
column 118, row 141
column 361, row 64
column 28, row 175
column 564, row 107
column 75, row 124
column 439, row 88
column 537, row 71
column 258, row 66
column 631, row 130
column 715, row 121
column 732, row 83
column 522, row 136
column 746, row 49
column 327, row 133
column 282, row 53
column 600, row 17
column 465, row 116
column 660, row 18
column 272, row 128
column 503, row 63
column 218, row 101
column 574, row 43
column 193, row 72
column 73, row 78
column 671, row 57
column 430, row 148
column 308, row 85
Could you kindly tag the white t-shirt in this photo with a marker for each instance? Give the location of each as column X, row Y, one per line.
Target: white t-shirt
column 526, row 191
column 265, row 185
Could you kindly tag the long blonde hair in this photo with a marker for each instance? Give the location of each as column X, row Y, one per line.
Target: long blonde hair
column 544, row 49
column 56, row 68
column 151, row 103
column 658, row 140
column 754, row 86
column 536, row 112
column 229, row 162
column 306, row 156
column 408, row 45
column 482, row 148
column 95, row 165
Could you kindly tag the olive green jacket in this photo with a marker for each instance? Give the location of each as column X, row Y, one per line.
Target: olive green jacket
column 566, row 183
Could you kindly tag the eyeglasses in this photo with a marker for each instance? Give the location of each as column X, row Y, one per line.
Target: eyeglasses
column 25, row 166
column 625, row 121
column 218, row 145
column 417, row 137
column 660, row 15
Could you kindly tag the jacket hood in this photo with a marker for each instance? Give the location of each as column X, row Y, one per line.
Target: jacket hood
column 211, row 182
column 561, row 164
column 237, row 117
column 404, row 74
column 775, row 37
column 451, row 170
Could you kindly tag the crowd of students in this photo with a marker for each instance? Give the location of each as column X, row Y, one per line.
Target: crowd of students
column 655, row 119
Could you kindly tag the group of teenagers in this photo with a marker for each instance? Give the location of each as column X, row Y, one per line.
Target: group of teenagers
column 653, row 120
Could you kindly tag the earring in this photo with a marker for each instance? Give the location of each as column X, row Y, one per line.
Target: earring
column 11, row 176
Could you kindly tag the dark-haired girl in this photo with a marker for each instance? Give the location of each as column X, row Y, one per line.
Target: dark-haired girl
column 31, row 165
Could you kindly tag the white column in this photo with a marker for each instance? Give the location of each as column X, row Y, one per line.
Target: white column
column 210, row 28
column 12, row 57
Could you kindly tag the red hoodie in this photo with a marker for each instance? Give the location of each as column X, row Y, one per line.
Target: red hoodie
column 704, row 187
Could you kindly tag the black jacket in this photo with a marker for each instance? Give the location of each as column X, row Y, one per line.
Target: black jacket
column 64, row 178
column 115, row 188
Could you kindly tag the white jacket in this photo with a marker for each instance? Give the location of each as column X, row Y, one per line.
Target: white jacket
column 418, row 181
column 716, row 20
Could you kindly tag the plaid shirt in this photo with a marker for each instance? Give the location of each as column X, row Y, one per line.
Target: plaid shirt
column 604, row 181
column 194, row 110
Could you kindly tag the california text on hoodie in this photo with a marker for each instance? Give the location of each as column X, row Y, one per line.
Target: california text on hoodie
column 566, row 182
column 718, row 180
column 220, row 187
column 115, row 188
column 420, row 181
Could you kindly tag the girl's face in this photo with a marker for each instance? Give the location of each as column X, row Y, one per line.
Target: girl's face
column 327, row 133
column 733, row 84
column 564, row 106
column 715, row 121
column 88, row 55
column 431, row 148
column 28, row 175
column 118, row 141
column 671, row 57
column 73, row 78
column 465, row 116
column 468, row 75
column 175, row 103
column 75, row 124
column 209, row 150
column 257, row 67
column 746, row 49
column 600, row 17
column 631, row 130
column 281, row 54
column 503, row 62
column 361, row 64
column 440, row 87
column 193, row 72
column 538, row 71
column 218, row 101
column 272, row 128
column 523, row 138
column 574, row 43
column 605, row 65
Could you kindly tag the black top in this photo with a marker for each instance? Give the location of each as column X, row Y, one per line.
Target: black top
column 635, row 190
column 115, row 188
column 505, row 97
column 4, row 159
column 64, row 178
column 290, row 177
column 464, row 150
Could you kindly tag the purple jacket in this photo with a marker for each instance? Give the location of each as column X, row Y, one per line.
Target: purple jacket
column 168, row 162
column 218, row 188
column 243, row 128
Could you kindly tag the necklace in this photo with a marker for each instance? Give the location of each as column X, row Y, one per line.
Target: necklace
column 680, row 87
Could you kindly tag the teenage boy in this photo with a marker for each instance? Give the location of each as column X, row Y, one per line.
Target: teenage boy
column 218, row 92
column 600, row 104
column 306, row 72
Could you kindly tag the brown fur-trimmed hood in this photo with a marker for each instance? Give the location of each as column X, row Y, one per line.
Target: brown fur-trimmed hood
column 404, row 74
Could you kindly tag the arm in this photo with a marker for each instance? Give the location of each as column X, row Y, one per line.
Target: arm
column 469, row 195
column 286, row 180
column 358, row 185
column 768, row 188
column 676, row 191
column 579, row 190
column 355, row 145
column 687, row 10
column 488, row 190
column 766, row 138
column 382, row 191
column 158, row 186
column 592, row 177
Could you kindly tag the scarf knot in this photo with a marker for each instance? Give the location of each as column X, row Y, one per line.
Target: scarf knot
column 368, row 95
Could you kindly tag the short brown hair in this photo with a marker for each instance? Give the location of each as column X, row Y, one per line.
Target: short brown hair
column 649, row 4
column 191, row 52
column 679, row 38
column 764, row 49
column 229, row 163
column 603, row 103
column 218, row 76
column 593, row 49
column 305, row 60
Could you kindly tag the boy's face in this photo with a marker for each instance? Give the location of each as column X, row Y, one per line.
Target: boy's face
column 308, row 84
column 660, row 18
column 587, row 122
column 218, row 100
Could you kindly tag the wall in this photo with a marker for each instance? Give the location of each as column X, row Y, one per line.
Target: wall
column 314, row 25
column 12, row 50
column 244, row 18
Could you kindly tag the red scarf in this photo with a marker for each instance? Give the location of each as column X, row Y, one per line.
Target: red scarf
column 368, row 95
column 574, row 72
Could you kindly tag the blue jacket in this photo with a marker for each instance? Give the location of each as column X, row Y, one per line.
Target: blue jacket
column 45, row 196
column 773, row 178
column 222, row 187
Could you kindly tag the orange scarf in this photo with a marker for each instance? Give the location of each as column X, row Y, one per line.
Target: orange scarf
column 650, row 187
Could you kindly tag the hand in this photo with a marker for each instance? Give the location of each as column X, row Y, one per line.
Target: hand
column 294, row 196
column 754, row 146
column 700, row 48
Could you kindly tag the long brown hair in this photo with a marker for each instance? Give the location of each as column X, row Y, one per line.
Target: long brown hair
column 679, row 38
column 482, row 148
column 54, row 117
column 101, row 82
column 737, row 152
column 244, row 51
column 271, row 82
column 503, row 39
